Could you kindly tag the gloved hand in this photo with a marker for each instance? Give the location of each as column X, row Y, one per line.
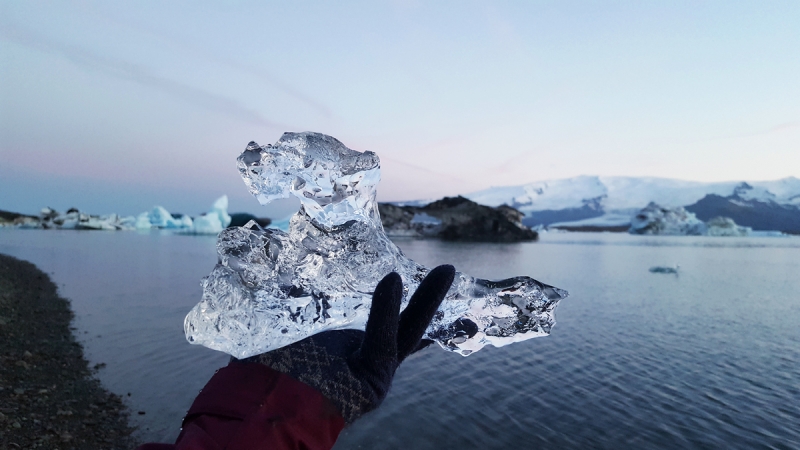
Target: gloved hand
column 354, row 368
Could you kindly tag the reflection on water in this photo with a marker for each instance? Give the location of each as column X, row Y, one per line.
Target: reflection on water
column 709, row 358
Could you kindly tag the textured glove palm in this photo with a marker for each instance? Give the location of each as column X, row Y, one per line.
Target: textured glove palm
column 353, row 368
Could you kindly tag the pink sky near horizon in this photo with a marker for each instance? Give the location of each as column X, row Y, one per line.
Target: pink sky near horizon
column 159, row 99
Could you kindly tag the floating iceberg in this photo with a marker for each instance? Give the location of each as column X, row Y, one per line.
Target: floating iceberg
column 159, row 217
column 205, row 224
column 656, row 219
column 213, row 221
column 74, row 219
column 271, row 288
column 725, row 226
column 665, row 269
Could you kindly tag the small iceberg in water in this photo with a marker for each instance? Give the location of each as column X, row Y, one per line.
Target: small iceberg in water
column 212, row 222
column 665, row 269
column 159, row 217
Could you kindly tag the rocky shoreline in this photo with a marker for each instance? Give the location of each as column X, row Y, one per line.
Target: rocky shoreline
column 49, row 397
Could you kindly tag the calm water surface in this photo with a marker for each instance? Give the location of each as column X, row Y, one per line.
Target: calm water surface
column 706, row 359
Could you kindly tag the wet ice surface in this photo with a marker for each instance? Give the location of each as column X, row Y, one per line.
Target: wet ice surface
column 272, row 288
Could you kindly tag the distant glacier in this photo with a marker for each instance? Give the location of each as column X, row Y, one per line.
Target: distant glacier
column 610, row 202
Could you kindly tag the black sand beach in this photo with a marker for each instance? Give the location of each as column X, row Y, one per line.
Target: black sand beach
column 48, row 395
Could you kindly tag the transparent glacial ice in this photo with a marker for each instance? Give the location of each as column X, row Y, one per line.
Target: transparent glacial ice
column 272, row 288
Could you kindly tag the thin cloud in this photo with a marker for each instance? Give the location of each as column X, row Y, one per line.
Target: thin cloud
column 256, row 72
column 785, row 126
column 126, row 71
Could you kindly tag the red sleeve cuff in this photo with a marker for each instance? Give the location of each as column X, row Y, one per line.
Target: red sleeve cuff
column 250, row 406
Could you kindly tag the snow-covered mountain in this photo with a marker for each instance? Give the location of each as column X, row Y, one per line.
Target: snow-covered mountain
column 610, row 201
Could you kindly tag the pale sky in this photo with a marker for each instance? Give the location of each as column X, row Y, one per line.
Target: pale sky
column 118, row 106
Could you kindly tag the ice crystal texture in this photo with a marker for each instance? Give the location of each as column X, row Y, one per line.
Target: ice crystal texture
column 271, row 288
column 334, row 184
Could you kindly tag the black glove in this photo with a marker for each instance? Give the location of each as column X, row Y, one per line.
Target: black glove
column 354, row 368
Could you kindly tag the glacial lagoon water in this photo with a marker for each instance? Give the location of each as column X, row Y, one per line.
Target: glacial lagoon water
column 707, row 358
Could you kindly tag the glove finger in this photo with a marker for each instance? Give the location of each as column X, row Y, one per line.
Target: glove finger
column 420, row 310
column 380, row 338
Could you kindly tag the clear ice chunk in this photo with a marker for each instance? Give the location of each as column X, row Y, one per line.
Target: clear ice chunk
column 272, row 288
column 334, row 184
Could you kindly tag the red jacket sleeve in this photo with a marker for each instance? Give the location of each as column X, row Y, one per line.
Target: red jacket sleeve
column 248, row 406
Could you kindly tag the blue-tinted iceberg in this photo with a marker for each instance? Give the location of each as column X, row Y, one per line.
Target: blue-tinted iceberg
column 271, row 288
column 213, row 221
column 159, row 217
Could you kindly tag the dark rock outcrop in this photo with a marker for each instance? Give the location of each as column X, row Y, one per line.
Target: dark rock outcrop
column 241, row 219
column 457, row 219
column 10, row 217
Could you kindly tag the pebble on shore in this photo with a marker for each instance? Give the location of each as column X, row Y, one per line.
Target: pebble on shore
column 48, row 396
